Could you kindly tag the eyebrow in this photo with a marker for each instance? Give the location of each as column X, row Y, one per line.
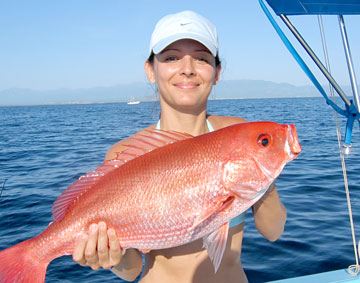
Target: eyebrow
column 203, row 50
column 175, row 49
column 169, row 49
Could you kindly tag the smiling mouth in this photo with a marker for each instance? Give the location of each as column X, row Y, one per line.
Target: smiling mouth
column 186, row 85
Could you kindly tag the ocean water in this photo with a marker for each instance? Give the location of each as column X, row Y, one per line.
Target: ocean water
column 44, row 149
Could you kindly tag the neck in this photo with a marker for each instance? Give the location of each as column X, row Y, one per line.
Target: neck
column 184, row 122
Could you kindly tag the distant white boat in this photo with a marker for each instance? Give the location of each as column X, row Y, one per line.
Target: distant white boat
column 133, row 101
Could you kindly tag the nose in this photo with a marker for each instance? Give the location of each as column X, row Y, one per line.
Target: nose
column 187, row 66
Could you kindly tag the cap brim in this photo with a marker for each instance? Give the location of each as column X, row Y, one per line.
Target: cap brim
column 162, row 44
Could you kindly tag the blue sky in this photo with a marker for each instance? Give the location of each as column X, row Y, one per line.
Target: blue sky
column 87, row 43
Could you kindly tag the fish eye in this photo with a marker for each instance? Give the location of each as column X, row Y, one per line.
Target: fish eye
column 264, row 140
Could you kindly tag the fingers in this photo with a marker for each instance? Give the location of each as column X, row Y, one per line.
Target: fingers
column 78, row 253
column 103, row 246
column 115, row 253
column 91, row 255
column 100, row 248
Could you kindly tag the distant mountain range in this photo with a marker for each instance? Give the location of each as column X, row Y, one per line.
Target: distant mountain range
column 230, row 89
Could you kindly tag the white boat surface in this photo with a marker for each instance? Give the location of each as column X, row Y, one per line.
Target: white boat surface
column 334, row 276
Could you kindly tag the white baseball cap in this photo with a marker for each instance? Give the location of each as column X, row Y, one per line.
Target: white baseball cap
column 184, row 25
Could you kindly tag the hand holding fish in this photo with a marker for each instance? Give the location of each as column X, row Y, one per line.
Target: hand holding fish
column 99, row 249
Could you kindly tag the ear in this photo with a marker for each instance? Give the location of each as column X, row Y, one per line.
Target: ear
column 217, row 75
column 149, row 70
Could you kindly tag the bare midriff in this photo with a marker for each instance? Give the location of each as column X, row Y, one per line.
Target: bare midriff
column 191, row 263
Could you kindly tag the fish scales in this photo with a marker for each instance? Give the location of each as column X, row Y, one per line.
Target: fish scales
column 122, row 197
column 181, row 186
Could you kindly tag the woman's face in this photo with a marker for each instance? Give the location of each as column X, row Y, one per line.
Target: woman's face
column 184, row 72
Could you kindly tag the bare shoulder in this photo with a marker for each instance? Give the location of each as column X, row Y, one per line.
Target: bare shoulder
column 120, row 146
column 219, row 122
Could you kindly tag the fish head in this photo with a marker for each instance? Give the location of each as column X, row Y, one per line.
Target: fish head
column 258, row 153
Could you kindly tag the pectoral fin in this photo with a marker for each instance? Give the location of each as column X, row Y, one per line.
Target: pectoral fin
column 215, row 244
column 221, row 205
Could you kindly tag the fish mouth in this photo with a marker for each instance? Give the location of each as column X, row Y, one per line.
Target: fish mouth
column 292, row 145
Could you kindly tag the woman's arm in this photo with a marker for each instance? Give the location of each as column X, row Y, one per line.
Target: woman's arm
column 270, row 215
column 130, row 265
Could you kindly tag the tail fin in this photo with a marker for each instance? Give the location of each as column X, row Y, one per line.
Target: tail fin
column 18, row 265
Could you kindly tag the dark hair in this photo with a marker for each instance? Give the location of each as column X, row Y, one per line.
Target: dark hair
column 217, row 59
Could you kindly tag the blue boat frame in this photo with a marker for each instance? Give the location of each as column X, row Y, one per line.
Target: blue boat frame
column 315, row 7
column 351, row 111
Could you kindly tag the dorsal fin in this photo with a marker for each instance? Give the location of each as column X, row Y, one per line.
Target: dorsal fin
column 137, row 145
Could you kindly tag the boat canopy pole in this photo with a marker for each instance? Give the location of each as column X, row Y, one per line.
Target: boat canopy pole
column 315, row 59
column 349, row 104
column 300, row 60
column 349, row 62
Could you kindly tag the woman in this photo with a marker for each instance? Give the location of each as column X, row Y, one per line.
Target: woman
column 184, row 64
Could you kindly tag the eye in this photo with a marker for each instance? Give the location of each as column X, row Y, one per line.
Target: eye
column 170, row 58
column 202, row 59
column 264, row 140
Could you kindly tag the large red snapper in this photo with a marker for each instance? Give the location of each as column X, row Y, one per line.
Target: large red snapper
column 165, row 190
